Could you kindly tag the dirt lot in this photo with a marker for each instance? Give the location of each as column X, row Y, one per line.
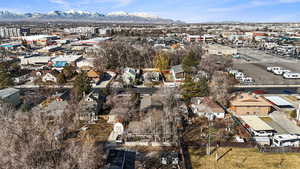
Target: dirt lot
column 243, row 158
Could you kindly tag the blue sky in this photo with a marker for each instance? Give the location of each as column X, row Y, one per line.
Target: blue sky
column 186, row 10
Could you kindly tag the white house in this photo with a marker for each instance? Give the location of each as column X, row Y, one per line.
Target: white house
column 207, row 107
column 86, row 63
column 49, row 78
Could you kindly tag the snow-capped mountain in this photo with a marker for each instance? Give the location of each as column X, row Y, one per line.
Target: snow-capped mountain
column 135, row 14
column 72, row 15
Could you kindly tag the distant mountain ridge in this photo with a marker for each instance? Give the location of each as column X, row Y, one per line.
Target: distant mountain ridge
column 72, row 15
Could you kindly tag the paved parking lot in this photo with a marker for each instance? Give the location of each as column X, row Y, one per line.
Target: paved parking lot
column 281, row 119
column 257, row 67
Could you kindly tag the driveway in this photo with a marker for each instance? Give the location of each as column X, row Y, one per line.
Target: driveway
column 281, row 119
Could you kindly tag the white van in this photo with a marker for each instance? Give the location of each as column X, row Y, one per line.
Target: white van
column 271, row 68
column 247, row 80
column 281, row 71
column 239, row 75
column 291, row 75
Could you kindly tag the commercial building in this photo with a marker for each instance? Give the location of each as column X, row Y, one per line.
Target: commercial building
column 35, row 60
column 13, row 32
column 250, row 104
column 42, row 40
column 91, row 42
column 220, row 50
column 61, row 61
column 81, row 30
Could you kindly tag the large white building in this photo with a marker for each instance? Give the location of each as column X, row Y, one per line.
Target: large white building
column 81, row 30
column 34, row 60
column 12, row 32
column 220, row 50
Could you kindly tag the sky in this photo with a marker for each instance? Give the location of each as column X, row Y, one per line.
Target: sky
column 191, row 11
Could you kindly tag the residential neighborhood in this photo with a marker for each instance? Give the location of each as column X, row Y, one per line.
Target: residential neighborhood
column 147, row 93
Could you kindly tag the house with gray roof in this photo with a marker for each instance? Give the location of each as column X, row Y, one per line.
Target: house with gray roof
column 11, row 96
column 178, row 73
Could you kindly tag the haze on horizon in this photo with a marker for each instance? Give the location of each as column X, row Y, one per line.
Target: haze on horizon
column 189, row 11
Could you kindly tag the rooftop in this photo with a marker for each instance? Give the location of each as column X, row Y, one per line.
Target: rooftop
column 246, row 99
column 7, row 92
column 177, row 68
column 279, row 101
column 256, row 123
column 287, row 137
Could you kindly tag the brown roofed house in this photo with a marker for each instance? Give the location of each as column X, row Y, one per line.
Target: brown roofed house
column 250, row 104
column 94, row 75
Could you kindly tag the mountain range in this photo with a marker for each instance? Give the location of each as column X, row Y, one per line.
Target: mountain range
column 72, row 15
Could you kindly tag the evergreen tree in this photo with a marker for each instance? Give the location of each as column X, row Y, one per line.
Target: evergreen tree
column 61, row 79
column 191, row 88
column 189, row 62
column 68, row 71
column 82, row 84
column 5, row 80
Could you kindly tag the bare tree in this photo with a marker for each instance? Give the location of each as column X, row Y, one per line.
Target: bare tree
column 212, row 63
column 220, row 86
column 30, row 140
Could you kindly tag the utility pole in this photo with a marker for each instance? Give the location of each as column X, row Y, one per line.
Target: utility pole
column 208, row 145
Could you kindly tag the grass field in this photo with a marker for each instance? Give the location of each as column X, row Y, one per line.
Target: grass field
column 243, row 158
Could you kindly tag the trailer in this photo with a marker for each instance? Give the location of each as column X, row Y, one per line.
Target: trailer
column 286, row 140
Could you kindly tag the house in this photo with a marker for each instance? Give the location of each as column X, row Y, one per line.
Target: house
column 11, row 96
column 49, row 77
column 129, row 75
column 250, row 104
column 178, row 73
column 207, row 107
column 60, row 97
column 94, row 75
column 86, row 63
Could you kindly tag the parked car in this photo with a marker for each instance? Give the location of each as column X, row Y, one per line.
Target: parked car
column 291, row 75
column 247, row 80
column 271, row 68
